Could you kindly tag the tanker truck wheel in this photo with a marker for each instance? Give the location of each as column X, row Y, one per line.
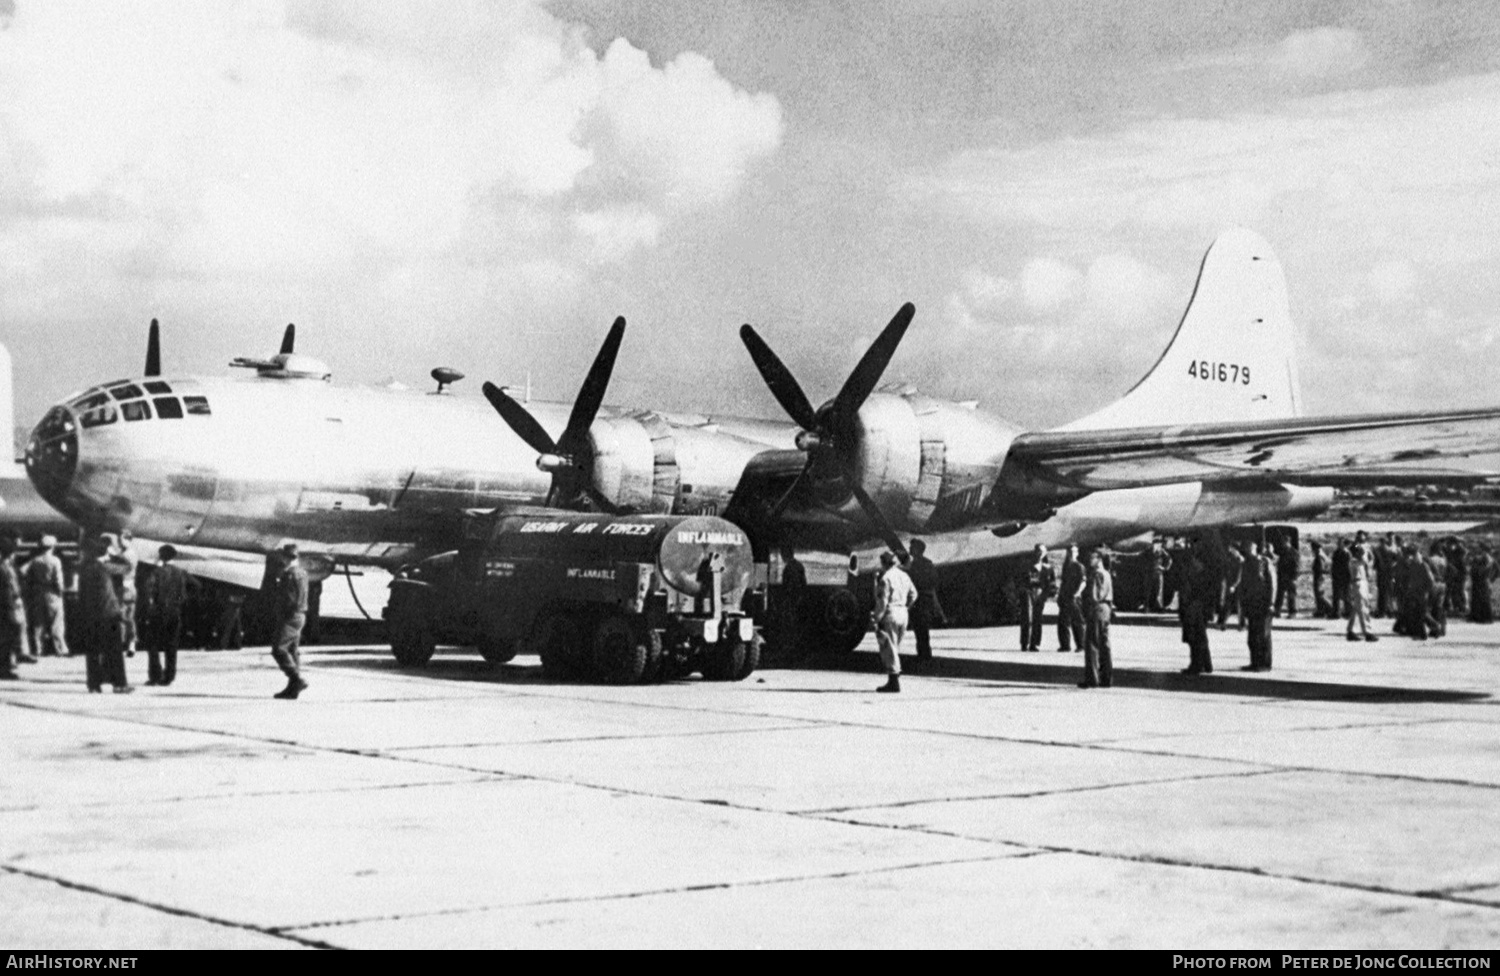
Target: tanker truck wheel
column 412, row 643
column 496, row 650
column 724, row 660
column 751, row 660
column 559, row 644
column 620, row 652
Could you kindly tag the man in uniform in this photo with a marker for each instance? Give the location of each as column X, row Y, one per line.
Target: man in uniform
column 1437, row 606
column 1069, row 603
column 12, row 612
column 1229, row 588
column 927, row 610
column 1321, row 607
column 1339, row 577
column 1288, row 568
column 1198, row 585
column 1098, row 605
column 125, row 565
column 1039, row 583
column 894, row 596
column 1158, row 562
column 42, row 581
column 100, row 618
column 166, row 592
column 1458, row 561
column 291, row 614
column 1257, row 588
column 1386, row 556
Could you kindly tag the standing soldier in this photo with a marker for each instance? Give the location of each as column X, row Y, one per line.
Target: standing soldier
column 1437, row 599
column 1321, row 606
column 100, row 619
column 1386, row 556
column 1198, row 584
column 927, row 610
column 894, row 596
column 1339, row 577
column 1257, row 590
column 1234, row 566
column 1098, row 605
column 1358, row 596
column 1177, row 551
column 166, row 592
column 1482, row 571
column 291, row 614
column 12, row 612
column 42, row 581
column 1069, row 606
column 1288, row 568
column 1040, row 584
column 1458, row 567
column 1158, row 561
column 125, row 564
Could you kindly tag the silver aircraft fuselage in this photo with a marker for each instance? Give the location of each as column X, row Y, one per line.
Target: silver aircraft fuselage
column 376, row 476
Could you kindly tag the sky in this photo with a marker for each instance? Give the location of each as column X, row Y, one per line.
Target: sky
column 486, row 185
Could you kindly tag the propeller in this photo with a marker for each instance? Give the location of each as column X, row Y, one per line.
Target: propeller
column 568, row 459
column 153, row 350
column 830, row 432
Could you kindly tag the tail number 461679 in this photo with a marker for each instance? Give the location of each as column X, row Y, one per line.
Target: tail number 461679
column 1219, row 372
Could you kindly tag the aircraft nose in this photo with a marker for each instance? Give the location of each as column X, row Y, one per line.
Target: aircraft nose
column 52, row 456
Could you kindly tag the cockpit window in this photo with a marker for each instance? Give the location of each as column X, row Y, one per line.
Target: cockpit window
column 157, row 386
column 89, row 401
column 167, row 408
column 197, row 406
column 136, row 410
column 127, row 392
column 98, row 417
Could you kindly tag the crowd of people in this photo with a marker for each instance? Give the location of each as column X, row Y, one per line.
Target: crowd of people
column 1418, row 586
column 121, row 606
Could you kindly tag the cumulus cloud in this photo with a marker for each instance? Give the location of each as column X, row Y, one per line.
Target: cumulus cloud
column 1321, row 53
column 327, row 138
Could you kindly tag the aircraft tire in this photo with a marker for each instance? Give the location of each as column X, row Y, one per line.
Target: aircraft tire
column 723, row 661
column 656, row 663
column 620, row 652
column 496, row 650
column 840, row 624
column 751, row 659
column 412, row 642
column 559, row 644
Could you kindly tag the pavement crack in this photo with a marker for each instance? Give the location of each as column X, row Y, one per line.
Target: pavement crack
column 167, row 909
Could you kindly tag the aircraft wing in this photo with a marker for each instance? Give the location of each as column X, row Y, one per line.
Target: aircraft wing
column 1314, row 451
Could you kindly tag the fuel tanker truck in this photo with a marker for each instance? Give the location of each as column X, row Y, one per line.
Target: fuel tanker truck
column 617, row 599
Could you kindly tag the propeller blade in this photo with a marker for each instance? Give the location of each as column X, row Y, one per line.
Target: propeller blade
column 153, row 350
column 288, row 339
column 591, row 394
column 866, row 376
column 604, row 504
column 878, row 517
column 783, row 384
column 519, row 420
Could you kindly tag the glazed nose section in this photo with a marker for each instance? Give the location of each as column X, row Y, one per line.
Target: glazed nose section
column 52, row 456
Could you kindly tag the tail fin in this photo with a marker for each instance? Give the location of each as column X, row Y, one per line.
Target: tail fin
column 1234, row 355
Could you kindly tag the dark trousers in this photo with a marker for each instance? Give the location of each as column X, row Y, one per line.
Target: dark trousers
column 1154, row 584
column 104, row 656
column 163, row 633
column 1069, row 623
column 12, row 646
column 1031, row 619
column 284, row 650
column 1195, row 635
column 1258, row 636
column 921, row 626
column 1340, row 599
column 1098, row 668
column 1382, row 594
column 1286, row 591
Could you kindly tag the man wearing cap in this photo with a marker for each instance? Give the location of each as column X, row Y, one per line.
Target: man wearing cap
column 894, row 596
column 100, row 619
column 291, row 614
column 42, row 582
column 165, row 593
column 12, row 612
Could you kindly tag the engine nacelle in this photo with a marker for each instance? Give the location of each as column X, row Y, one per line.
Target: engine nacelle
column 927, row 462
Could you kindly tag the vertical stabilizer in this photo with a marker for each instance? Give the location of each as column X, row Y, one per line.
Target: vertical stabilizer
column 1234, row 355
